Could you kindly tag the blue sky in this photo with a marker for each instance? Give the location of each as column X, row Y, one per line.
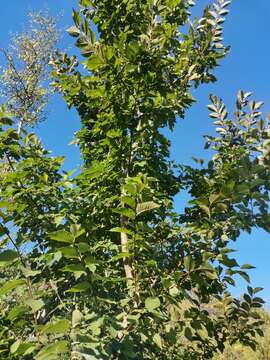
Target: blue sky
column 247, row 67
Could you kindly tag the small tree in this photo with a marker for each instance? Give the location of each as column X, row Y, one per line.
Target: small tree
column 110, row 270
column 239, row 352
column 23, row 79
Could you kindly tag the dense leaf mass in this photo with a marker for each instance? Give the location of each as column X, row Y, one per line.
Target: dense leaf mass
column 99, row 265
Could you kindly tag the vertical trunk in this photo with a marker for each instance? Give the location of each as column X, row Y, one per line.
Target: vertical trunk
column 125, row 249
column 128, row 266
column 128, row 263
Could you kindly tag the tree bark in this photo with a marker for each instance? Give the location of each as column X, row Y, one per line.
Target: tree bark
column 125, row 249
column 128, row 266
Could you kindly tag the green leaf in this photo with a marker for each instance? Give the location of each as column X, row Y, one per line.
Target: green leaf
column 258, row 300
column 17, row 312
column 14, row 347
column 256, row 290
column 95, row 171
column 95, row 93
column 212, row 275
column 69, row 252
column 132, row 49
column 4, row 120
column 30, row 273
column 206, row 209
column 189, row 263
column 152, row 303
column 81, row 287
column 92, row 267
column 157, row 340
column 130, row 189
column 76, row 17
column 188, row 334
column 96, row 325
column 247, row 298
column 114, row 133
column 58, row 327
column 250, row 290
column 229, row 262
column 94, row 62
column 4, row 204
column 203, row 334
column 77, row 269
column 7, row 257
column 174, row 291
column 247, row 267
column 86, row 3
column 146, row 206
column 52, row 351
column 20, row 348
column 90, row 263
column 127, row 212
column 76, row 230
column 35, row 305
column 121, row 230
column 62, row 236
column 121, row 255
column 213, row 198
column 84, row 247
column 11, row 285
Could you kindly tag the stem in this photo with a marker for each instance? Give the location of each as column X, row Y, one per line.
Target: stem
column 37, row 332
column 20, row 127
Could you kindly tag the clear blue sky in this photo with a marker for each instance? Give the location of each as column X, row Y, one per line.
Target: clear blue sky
column 247, row 67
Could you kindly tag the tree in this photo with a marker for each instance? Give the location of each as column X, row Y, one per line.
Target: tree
column 26, row 71
column 105, row 268
column 239, row 352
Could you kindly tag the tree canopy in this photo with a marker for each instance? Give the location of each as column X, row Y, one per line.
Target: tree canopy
column 26, row 69
column 99, row 265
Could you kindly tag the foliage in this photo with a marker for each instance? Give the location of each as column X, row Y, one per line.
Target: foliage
column 100, row 266
column 238, row 352
column 26, row 70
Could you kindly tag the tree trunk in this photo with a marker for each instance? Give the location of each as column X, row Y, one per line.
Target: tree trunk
column 128, row 266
